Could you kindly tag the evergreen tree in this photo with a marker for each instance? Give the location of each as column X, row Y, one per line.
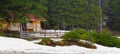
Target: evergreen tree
column 115, row 18
column 20, row 8
column 73, row 14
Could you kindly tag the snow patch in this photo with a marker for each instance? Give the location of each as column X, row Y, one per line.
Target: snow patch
column 15, row 45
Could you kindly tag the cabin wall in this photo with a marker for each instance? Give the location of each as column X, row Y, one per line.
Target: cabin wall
column 35, row 26
column 14, row 26
column 5, row 25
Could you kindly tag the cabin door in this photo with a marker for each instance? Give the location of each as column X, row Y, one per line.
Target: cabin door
column 42, row 25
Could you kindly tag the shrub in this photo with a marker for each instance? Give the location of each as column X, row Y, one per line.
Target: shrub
column 71, row 36
column 87, row 45
column 15, row 35
column 82, row 33
column 80, row 43
column 2, row 34
column 103, row 38
column 116, row 42
column 85, row 35
column 106, row 38
column 9, row 33
column 94, row 36
column 60, row 43
column 47, row 41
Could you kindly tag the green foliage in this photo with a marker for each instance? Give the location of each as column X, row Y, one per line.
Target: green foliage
column 78, row 34
column 105, row 38
column 60, row 43
column 49, row 42
column 71, row 36
column 85, row 35
column 18, row 9
column 46, row 41
column 114, row 21
column 24, row 19
column 79, row 43
column 15, row 36
column 56, row 28
column 73, row 13
column 2, row 34
column 9, row 33
column 0, row 25
column 82, row 33
column 87, row 45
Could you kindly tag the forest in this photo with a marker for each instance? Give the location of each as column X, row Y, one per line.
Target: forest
column 65, row 14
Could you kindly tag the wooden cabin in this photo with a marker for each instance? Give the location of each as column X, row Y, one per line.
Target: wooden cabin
column 34, row 25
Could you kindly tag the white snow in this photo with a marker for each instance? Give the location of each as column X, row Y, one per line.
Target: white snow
column 15, row 46
column 56, row 30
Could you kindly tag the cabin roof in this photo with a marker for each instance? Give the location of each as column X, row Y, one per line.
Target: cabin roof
column 32, row 17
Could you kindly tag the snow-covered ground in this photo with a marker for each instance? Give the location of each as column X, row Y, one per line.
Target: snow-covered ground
column 20, row 46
